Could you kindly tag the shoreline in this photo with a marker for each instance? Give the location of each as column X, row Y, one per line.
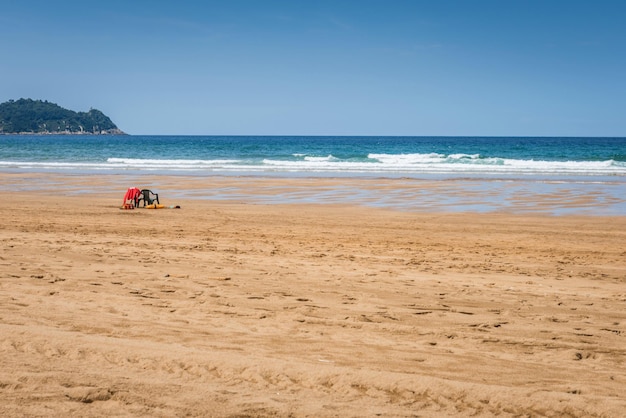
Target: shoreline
column 422, row 195
column 322, row 157
column 230, row 308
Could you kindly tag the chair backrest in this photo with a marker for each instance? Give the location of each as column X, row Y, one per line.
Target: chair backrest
column 146, row 195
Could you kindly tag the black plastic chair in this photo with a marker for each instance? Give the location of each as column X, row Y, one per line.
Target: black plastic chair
column 147, row 200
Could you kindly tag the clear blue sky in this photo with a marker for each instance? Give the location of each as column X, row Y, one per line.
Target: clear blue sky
column 362, row 67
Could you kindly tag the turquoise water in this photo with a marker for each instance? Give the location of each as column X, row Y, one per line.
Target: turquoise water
column 558, row 176
column 311, row 156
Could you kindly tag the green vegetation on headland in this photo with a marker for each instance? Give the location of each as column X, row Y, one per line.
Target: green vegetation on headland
column 27, row 116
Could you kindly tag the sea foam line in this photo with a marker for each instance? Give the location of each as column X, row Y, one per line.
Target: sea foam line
column 374, row 163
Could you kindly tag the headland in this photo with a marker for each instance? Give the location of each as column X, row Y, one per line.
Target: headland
column 29, row 117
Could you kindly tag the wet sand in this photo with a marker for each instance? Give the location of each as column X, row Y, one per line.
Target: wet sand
column 240, row 308
column 596, row 196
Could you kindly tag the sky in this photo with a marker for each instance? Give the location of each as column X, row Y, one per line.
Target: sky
column 339, row 67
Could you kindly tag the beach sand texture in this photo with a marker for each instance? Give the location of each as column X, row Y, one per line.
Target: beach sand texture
column 232, row 309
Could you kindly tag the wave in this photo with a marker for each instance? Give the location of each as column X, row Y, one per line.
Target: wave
column 320, row 159
column 178, row 163
column 425, row 163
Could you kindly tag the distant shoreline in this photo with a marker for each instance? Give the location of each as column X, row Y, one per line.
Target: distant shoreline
column 69, row 133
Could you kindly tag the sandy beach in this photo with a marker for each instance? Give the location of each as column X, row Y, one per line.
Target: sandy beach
column 245, row 309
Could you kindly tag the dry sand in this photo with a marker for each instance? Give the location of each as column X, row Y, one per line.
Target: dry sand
column 234, row 309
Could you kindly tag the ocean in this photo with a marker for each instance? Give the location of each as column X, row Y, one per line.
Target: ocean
column 588, row 166
column 335, row 156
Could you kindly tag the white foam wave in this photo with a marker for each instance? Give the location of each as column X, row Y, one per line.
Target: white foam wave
column 456, row 163
column 464, row 156
column 320, row 159
column 172, row 163
column 429, row 163
column 407, row 158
